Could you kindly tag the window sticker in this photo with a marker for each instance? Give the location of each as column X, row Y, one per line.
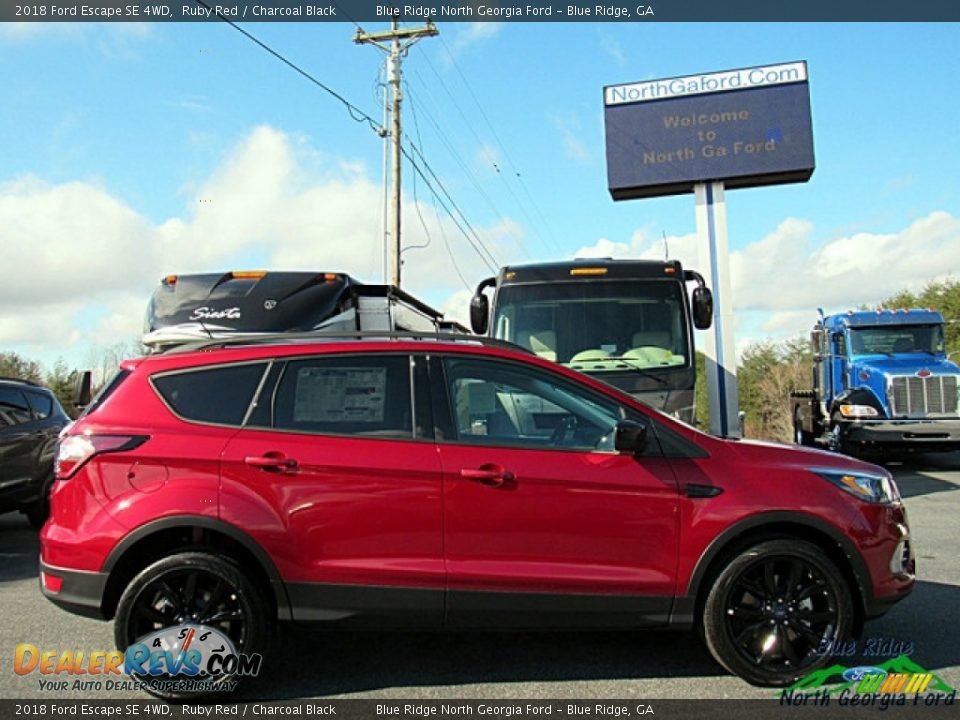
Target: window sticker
column 340, row 395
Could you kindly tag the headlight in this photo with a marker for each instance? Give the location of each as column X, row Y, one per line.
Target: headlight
column 869, row 487
column 858, row 411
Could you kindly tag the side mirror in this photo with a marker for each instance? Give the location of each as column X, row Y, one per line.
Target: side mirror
column 702, row 308
column 81, row 394
column 630, row 437
column 479, row 313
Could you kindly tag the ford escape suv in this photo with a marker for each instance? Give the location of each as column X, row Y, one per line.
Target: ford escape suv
column 442, row 482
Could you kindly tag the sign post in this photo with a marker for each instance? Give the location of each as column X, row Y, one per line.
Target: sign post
column 719, row 347
column 706, row 134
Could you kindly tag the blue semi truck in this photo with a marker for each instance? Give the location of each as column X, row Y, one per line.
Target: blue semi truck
column 882, row 382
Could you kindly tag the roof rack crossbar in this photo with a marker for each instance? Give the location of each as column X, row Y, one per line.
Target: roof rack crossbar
column 319, row 335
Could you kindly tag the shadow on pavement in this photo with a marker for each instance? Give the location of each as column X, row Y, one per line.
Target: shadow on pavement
column 19, row 548
column 317, row 663
column 928, row 619
column 917, row 474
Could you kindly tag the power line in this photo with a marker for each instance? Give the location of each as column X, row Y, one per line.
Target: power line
column 475, row 242
column 355, row 112
column 496, row 137
column 443, row 234
column 534, row 225
column 464, row 167
column 449, row 197
column 360, row 116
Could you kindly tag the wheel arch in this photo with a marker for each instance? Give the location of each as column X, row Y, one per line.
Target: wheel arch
column 750, row 531
column 159, row 538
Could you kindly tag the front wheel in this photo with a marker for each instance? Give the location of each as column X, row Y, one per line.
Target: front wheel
column 775, row 610
column 198, row 590
column 837, row 440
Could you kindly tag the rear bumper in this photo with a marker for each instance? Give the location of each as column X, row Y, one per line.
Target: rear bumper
column 76, row 591
column 929, row 435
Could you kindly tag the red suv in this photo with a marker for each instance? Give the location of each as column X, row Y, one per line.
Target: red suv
column 454, row 483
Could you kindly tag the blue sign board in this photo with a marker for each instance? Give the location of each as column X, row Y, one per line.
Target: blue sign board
column 745, row 127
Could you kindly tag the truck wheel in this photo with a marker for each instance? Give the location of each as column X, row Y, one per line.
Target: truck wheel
column 801, row 436
column 837, row 439
column 774, row 609
column 193, row 589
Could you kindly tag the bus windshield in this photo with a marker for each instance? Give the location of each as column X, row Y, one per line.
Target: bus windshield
column 598, row 325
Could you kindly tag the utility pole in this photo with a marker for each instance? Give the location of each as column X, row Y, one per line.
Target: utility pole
column 400, row 40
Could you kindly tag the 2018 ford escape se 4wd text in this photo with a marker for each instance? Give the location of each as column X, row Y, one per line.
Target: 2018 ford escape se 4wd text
column 453, row 482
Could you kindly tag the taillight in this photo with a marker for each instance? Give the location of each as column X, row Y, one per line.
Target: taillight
column 75, row 450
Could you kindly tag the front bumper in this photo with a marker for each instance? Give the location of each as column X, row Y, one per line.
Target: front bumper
column 928, row 435
column 77, row 591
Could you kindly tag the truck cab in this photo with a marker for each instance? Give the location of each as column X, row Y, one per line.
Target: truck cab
column 881, row 381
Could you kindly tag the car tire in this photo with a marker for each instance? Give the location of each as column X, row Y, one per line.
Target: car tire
column 837, row 440
column 38, row 511
column 195, row 587
column 775, row 610
column 801, row 436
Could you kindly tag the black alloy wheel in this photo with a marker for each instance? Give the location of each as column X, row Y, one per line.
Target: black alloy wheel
column 196, row 588
column 776, row 611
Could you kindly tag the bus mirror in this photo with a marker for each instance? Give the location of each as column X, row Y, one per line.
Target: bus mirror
column 479, row 312
column 702, row 308
column 81, row 394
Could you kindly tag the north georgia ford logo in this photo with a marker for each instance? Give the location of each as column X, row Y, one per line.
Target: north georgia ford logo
column 194, row 651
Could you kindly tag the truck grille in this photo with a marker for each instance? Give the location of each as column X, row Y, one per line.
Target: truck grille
column 917, row 397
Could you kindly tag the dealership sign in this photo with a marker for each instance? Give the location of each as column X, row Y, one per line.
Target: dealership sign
column 744, row 127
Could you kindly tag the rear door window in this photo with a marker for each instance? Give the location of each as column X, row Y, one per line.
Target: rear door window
column 364, row 396
column 218, row 395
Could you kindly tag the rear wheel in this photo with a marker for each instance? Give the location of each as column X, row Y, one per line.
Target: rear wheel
column 774, row 610
column 801, row 436
column 38, row 511
column 194, row 589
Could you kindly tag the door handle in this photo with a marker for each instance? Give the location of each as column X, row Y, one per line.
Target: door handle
column 492, row 475
column 272, row 462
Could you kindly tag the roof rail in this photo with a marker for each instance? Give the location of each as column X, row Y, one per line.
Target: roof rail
column 20, row 380
column 320, row 336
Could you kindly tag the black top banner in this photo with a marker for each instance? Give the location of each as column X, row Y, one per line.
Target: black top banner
column 479, row 11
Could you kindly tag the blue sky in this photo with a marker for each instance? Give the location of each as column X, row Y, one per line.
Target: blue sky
column 131, row 151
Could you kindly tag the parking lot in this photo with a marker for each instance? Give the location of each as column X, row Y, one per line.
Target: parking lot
column 516, row 665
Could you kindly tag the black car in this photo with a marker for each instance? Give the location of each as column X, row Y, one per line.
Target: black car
column 31, row 418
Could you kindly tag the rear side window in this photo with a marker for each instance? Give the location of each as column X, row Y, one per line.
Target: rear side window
column 218, row 395
column 42, row 405
column 363, row 396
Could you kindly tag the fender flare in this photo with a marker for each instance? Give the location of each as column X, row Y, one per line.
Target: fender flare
column 207, row 523
column 685, row 608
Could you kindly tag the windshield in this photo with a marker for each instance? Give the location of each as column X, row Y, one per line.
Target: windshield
column 896, row 339
column 597, row 325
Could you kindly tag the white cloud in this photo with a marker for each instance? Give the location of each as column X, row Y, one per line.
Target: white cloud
column 470, row 35
column 573, row 145
column 612, row 47
column 87, row 263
